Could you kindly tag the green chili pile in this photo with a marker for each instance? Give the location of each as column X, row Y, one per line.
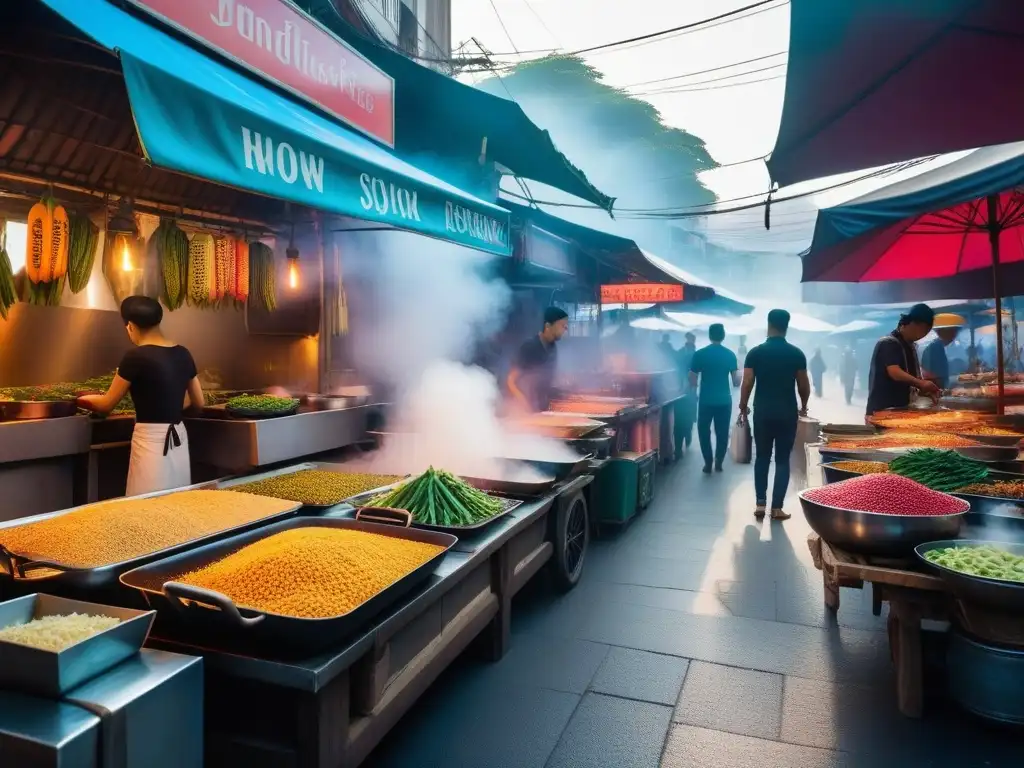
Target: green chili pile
column 439, row 498
column 944, row 471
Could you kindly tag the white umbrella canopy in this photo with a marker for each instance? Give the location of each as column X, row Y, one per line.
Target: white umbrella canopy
column 755, row 321
column 854, row 326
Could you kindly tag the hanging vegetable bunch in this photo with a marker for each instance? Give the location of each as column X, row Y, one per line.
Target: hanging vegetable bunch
column 46, row 252
column 201, row 251
column 83, row 236
column 241, row 272
column 262, row 283
column 8, row 294
column 172, row 250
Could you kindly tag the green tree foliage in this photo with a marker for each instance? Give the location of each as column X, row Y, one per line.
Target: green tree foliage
column 619, row 140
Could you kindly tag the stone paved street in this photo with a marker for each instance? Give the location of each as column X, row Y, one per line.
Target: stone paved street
column 697, row 637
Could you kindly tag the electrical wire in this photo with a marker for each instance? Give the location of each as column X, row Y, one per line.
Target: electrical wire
column 504, row 28
column 537, row 16
column 708, row 88
column 707, row 71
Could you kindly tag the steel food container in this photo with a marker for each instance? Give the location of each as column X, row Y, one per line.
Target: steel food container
column 876, row 533
column 996, row 593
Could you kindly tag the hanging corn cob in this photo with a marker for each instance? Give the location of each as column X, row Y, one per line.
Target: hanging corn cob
column 172, row 248
column 37, row 242
column 229, row 270
column 83, row 236
column 223, row 250
column 241, row 270
column 262, row 283
column 8, row 294
column 58, row 252
column 200, row 269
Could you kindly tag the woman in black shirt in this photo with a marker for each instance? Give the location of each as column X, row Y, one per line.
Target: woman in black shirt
column 158, row 373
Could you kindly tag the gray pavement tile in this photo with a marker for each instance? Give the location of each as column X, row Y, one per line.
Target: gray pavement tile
column 690, row 747
column 730, row 699
column 613, row 732
column 655, row 572
column 473, row 728
column 844, row 654
column 753, row 599
column 641, row 675
column 538, row 661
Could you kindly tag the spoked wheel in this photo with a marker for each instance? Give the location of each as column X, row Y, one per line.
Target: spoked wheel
column 571, row 537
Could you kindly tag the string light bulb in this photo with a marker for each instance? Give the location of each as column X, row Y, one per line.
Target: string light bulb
column 292, row 253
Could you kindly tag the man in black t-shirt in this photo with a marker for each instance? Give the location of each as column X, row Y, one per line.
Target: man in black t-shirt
column 895, row 370
column 533, row 371
column 158, row 373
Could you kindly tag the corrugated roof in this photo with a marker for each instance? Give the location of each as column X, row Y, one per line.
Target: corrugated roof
column 65, row 118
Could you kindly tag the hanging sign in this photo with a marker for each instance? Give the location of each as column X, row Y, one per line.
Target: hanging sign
column 282, row 44
column 641, row 293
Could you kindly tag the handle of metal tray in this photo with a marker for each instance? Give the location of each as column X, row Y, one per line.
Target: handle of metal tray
column 386, row 515
column 18, row 567
column 175, row 591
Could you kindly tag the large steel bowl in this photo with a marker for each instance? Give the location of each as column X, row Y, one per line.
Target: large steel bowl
column 995, row 593
column 833, row 474
column 990, row 454
column 1003, row 441
column 873, row 533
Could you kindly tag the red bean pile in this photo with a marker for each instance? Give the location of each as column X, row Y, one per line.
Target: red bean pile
column 888, row 494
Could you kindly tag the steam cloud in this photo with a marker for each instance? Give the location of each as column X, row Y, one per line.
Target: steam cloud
column 422, row 307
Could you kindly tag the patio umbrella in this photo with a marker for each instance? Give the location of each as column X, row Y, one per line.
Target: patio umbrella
column 873, row 82
column 961, row 219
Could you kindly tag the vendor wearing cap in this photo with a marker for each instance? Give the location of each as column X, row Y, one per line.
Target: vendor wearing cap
column 934, row 359
column 895, row 370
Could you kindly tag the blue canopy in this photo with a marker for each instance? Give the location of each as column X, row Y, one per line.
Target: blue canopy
column 199, row 117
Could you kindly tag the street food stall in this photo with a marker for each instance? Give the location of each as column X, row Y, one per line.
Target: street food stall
column 927, row 506
column 184, row 649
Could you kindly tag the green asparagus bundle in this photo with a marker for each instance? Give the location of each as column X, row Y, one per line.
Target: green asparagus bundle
column 944, row 471
column 439, row 498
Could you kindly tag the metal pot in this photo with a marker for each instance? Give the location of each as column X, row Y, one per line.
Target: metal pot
column 20, row 410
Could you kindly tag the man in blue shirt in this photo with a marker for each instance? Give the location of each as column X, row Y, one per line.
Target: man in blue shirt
column 774, row 371
column 717, row 369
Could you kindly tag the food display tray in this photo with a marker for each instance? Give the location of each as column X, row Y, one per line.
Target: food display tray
column 234, row 482
column 1002, row 441
column 502, row 487
column 22, row 410
column 214, row 617
column 253, row 414
column 560, row 470
column 25, row 569
column 995, row 593
column 508, row 505
column 54, row 673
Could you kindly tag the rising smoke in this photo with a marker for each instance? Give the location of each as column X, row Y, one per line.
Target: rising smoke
column 422, row 308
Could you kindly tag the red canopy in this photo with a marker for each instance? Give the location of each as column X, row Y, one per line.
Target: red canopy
column 872, row 82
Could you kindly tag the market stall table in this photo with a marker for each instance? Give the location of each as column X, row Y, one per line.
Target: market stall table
column 334, row 708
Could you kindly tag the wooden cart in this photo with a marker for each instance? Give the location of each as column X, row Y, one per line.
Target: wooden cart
column 913, row 596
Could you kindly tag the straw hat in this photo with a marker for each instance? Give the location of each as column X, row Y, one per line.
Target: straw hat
column 948, row 320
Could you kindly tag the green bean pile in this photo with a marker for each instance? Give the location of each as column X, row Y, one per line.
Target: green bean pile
column 944, row 471
column 439, row 498
column 262, row 403
column 986, row 561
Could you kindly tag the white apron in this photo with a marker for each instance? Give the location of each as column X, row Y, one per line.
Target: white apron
column 159, row 459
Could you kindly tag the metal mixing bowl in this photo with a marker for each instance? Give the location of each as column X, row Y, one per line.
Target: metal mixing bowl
column 996, row 593
column 875, row 533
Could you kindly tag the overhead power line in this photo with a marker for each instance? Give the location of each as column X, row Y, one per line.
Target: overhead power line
column 695, row 26
column 504, row 28
column 707, row 71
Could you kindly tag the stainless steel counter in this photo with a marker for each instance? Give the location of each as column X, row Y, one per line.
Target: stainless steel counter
column 38, row 733
column 234, row 445
column 39, row 461
column 150, row 709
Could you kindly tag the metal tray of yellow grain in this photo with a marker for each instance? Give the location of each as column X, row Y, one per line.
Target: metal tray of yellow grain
column 206, row 616
column 22, row 567
column 234, row 483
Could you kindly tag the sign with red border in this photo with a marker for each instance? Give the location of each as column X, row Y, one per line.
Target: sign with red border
column 277, row 41
column 641, row 293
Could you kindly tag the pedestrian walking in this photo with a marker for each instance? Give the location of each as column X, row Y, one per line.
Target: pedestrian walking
column 718, row 373
column 848, row 373
column 686, row 406
column 774, row 372
column 818, row 369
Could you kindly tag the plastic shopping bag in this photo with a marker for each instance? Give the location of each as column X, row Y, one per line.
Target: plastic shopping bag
column 742, row 442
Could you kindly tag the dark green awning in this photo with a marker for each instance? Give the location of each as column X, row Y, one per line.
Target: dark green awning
column 438, row 115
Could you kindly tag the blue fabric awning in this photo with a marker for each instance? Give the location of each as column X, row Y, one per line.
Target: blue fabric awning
column 202, row 118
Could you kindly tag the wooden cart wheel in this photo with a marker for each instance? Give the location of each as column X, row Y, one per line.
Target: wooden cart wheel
column 570, row 537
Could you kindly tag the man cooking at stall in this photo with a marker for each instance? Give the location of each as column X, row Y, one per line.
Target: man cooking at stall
column 895, row 371
column 158, row 373
column 934, row 359
column 532, row 376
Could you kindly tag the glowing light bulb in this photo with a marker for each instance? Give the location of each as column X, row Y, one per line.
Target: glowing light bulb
column 293, row 274
column 126, row 257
